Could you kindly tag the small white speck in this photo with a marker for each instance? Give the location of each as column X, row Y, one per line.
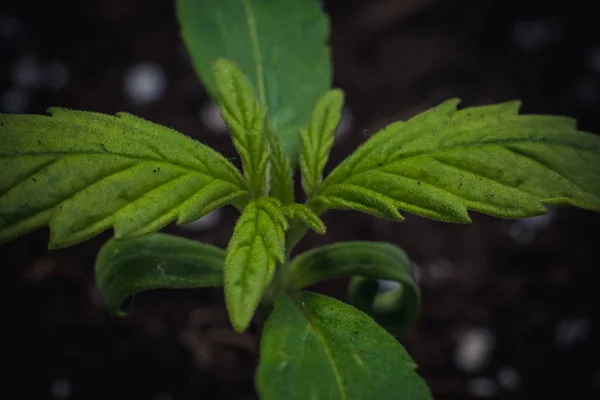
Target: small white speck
column 417, row 272
column 56, row 75
column 15, row 100
column 536, row 34
column 10, row 27
column 345, row 125
column 596, row 378
column 440, row 269
column 210, row 114
column 508, row 378
column 588, row 91
column 481, row 387
column 570, row 331
column 386, row 285
column 539, row 315
column 595, row 58
column 525, row 230
column 61, row 389
column 94, row 295
column 145, row 83
column 27, row 72
column 208, row 221
column 474, row 349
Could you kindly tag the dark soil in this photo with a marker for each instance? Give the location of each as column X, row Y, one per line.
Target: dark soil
column 532, row 287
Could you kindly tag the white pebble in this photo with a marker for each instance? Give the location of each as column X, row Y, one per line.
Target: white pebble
column 595, row 58
column 210, row 114
column 27, row 72
column 61, row 389
column 440, row 269
column 509, row 378
column 596, row 378
column 208, row 221
column 145, row 83
column 525, row 230
column 386, row 285
column 533, row 35
column 481, row 387
column 588, row 91
column 474, row 349
column 10, row 27
column 570, row 331
column 56, row 75
column 417, row 272
column 14, row 101
column 345, row 125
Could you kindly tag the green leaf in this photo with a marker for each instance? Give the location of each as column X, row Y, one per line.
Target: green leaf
column 302, row 213
column 157, row 261
column 281, row 175
column 315, row 347
column 245, row 117
column 365, row 262
column 257, row 244
column 82, row 172
column 489, row 159
column 318, row 139
column 280, row 45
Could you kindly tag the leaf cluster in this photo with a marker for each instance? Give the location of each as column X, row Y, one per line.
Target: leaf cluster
column 81, row 173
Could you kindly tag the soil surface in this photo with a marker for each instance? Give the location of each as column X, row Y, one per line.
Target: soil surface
column 510, row 309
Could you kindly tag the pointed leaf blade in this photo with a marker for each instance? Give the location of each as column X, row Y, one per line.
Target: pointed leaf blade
column 157, row 261
column 365, row 263
column 302, row 213
column 82, row 172
column 245, row 117
column 489, row 159
column 281, row 175
column 315, row 347
column 280, row 46
column 257, row 244
column 318, row 139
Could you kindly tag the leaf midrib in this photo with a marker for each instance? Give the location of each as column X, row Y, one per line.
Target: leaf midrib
column 252, row 28
column 139, row 159
column 120, row 171
column 338, row 378
column 429, row 152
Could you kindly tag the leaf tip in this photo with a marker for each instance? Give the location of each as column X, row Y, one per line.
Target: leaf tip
column 56, row 241
column 222, row 64
column 337, row 95
column 239, row 323
column 320, row 229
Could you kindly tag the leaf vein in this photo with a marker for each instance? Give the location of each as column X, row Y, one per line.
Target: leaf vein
column 135, row 158
column 326, row 347
column 251, row 20
column 543, row 165
column 30, row 175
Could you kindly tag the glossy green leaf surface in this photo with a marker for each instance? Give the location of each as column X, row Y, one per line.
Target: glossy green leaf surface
column 279, row 45
column 83, row 172
column 245, row 117
column 365, row 262
column 489, row 159
column 156, row 261
column 257, row 244
column 318, row 139
column 281, row 185
column 316, row 347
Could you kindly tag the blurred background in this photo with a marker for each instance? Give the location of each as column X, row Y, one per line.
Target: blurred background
column 510, row 308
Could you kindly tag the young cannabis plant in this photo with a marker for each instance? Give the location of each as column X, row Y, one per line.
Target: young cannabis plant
column 82, row 173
